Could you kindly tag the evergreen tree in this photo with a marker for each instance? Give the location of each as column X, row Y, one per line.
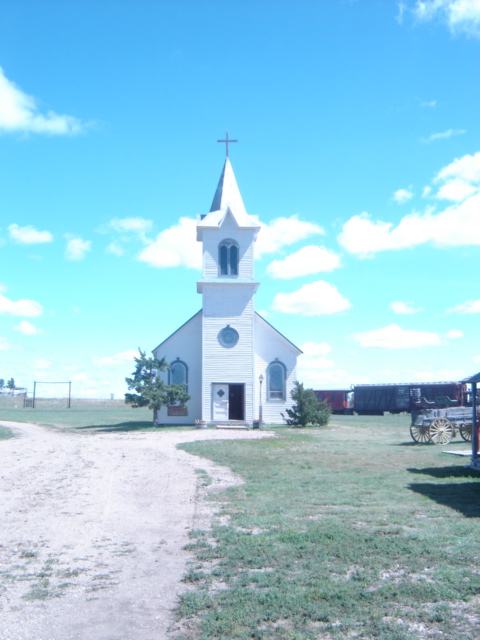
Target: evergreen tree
column 306, row 409
column 11, row 385
column 150, row 390
column 2, row 384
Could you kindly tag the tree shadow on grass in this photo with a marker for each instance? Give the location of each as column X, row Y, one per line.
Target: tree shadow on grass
column 460, row 496
column 119, row 427
column 411, row 443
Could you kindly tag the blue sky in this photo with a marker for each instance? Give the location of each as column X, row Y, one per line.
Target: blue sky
column 358, row 149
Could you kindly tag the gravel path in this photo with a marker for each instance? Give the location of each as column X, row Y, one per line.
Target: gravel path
column 92, row 530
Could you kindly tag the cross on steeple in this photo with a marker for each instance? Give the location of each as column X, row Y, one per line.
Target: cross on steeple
column 227, row 140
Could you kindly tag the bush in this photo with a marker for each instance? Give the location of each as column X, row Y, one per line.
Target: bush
column 307, row 410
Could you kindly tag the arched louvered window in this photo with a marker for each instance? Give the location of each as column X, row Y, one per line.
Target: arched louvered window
column 228, row 258
column 178, row 373
column 276, row 381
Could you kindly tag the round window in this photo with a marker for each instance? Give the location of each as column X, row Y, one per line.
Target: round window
column 228, row 337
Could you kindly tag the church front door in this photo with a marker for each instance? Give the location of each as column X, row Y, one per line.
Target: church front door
column 228, row 402
column 220, row 402
column 236, row 402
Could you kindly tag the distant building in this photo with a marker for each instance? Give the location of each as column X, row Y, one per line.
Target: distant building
column 226, row 353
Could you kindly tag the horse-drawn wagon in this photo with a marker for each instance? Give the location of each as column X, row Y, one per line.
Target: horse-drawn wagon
column 441, row 425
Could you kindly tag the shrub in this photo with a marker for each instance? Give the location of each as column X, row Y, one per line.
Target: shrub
column 306, row 409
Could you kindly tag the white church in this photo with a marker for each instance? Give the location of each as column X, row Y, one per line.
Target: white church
column 235, row 366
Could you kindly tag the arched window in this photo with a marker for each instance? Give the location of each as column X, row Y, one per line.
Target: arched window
column 178, row 373
column 276, row 380
column 228, row 258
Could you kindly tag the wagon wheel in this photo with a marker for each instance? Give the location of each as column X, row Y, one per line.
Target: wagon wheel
column 441, row 431
column 466, row 432
column 419, row 433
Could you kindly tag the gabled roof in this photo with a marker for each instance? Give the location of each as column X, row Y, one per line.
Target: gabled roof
column 290, row 344
column 177, row 330
column 227, row 201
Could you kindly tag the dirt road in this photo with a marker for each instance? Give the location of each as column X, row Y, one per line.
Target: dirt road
column 92, row 530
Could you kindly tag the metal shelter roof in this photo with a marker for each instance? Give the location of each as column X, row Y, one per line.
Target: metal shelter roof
column 475, row 378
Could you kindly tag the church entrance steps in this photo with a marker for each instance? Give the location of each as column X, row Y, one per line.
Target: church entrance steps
column 232, row 424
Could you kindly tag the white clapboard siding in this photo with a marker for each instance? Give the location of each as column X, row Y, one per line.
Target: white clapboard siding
column 211, row 242
column 271, row 345
column 186, row 344
column 228, row 365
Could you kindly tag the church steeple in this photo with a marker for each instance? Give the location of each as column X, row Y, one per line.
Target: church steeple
column 227, row 234
column 227, row 195
column 227, row 201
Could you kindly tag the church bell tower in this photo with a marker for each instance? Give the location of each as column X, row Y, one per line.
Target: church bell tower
column 227, row 234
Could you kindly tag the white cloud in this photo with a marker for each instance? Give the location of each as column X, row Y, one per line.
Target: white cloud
column 470, row 306
column 403, row 195
column 81, row 377
column 313, row 365
column 126, row 230
column 456, row 225
column 174, row 247
column 453, row 334
column 118, row 359
column 36, row 374
column 76, row 248
column 394, row 337
column 466, row 168
column 25, row 308
column 403, row 308
column 19, row 112
column 177, row 246
column 315, row 299
column 428, row 103
column 444, row 135
column 27, row 328
column 315, row 349
column 401, row 10
column 455, row 191
column 313, row 362
column 283, row 232
column 116, row 249
column 363, row 236
column 461, row 16
column 321, row 378
column 42, row 363
column 138, row 226
column 4, row 344
column 460, row 179
column 438, row 375
column 311, row 259
column 29, row 235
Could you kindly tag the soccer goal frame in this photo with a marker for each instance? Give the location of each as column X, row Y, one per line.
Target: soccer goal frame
column 69, row 400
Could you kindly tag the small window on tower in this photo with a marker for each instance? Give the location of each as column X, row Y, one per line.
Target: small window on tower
column 228, row 258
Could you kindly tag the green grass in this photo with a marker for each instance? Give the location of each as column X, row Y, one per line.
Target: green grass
column 346, row 531
column 5, row 433
column 86, row 417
